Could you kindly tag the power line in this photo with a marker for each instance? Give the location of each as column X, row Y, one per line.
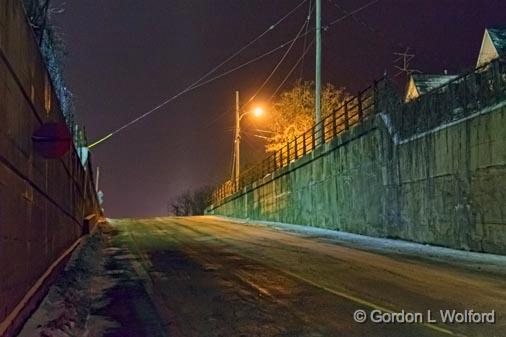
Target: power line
column 197, row 83
column 370, row 28
column 367, row 5
column 308, row 47
column 279, row 63
column 251, row 42
column 405, row 57
column 269, row 77
column 255, row 59
column 305, row 51
column 310, row 11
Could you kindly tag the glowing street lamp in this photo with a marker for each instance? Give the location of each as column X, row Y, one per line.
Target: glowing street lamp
column 258, row 111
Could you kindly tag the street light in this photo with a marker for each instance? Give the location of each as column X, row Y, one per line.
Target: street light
column 257, row 112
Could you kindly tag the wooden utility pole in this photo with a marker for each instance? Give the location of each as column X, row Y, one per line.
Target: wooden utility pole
column 318, row 79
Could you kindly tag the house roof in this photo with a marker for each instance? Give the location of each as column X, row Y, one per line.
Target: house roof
column 498, row 38
column 427, row 82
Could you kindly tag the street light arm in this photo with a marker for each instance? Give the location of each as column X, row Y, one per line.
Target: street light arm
column 257, row 112
column 243, row 114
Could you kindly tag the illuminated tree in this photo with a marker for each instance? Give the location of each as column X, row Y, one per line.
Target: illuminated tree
column 293, row 112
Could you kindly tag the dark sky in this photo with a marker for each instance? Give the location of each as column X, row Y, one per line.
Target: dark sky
column 127, row 56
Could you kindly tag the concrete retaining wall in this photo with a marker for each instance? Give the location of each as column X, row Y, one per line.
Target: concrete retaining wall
column 42, row 202
column 445, row 187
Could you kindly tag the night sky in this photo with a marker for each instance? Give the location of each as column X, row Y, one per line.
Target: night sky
column 127, row 56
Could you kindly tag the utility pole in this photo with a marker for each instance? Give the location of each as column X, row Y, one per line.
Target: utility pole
column 237, row 142
column 318, row 80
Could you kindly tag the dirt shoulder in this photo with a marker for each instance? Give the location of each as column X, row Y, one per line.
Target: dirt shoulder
column 98, row 294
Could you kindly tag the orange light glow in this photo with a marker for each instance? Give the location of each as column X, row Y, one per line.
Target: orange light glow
column 258, row 111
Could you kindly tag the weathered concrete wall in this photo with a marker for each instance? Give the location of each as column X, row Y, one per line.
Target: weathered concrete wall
column 444, row 187
column 452, row 184
column 42, row 202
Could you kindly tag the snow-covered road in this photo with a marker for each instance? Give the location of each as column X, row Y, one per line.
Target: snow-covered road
column 209, row 276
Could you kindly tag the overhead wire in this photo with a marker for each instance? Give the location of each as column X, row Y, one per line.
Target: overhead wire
column 278, row 64
column 197, row 83
column 379, row 34
column 191, row 88
column 285, row 44
column 292, row 43
column 305, row 50
column 370, row 28
column 251, row 42
column 264, row 83
column 310, row 12
column 250, row 144
column 301, row 58
column 308, row 47
column 355, row 11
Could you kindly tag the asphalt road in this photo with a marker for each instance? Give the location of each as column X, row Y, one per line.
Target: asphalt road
column 210, row 277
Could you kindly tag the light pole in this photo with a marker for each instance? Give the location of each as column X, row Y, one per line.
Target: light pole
column 236, row 169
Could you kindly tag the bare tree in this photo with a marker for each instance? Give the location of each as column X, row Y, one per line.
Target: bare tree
column 190, row 202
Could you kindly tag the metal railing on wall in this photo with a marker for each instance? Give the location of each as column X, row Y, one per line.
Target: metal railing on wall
column 462, row 96
column 351, row 112
column 456, row 99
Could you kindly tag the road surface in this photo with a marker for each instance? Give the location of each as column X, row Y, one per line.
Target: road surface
column 211, row 277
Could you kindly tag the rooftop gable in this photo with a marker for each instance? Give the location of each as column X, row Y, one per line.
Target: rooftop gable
column 427, row 82
column 420, row 84
column 493, row 45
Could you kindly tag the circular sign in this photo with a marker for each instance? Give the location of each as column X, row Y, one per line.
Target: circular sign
column 52, row 140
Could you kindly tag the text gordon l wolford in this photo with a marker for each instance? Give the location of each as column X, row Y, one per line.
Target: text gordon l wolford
column 446, row 316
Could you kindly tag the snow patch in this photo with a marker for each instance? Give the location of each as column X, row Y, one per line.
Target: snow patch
column 483, row 261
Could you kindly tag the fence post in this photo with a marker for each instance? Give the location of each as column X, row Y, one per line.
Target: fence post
column 287, row 153
column 313, row 138
column 359, row 102
column 304, row 143
column 322, row 126
column 296, row 148
column 334, row 126
column 346, row 121
column 465, row 83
